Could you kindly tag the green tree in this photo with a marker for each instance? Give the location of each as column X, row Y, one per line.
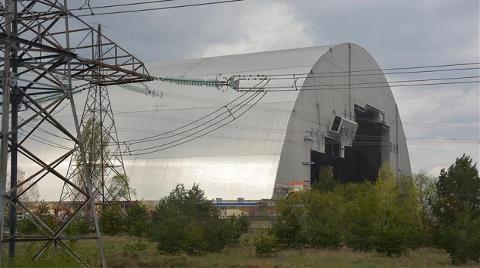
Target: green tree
column 312, row 218
column 186, row 221
column 119, row 187
column 96, row 141
column 425, row 184
column 112, row 220
column 360, row 215
column 457, row 188
column 461, row 239
column 457, row 210
column 265, row 245
column 137, row 222
column 384, row 216
column 79, row 226
column 399, row 214
column 42, row 211
column 323, row 225
column 326, row 182
column 289, row 226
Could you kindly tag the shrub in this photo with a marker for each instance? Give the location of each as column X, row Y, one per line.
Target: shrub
column 186, row 221
column 312, row 218
column 42, row 211
column 462, row 239
column 112, row 220
column 360, row 215
column 265, row 245
column 137, row 220
column 323, row 225
column 384, row 216
column 26, row 226
column 427, row 194
column 230, row 230
column 326, row 181
column 79, row 226
column 289, row 225
column 457, row 186
column 457, row 210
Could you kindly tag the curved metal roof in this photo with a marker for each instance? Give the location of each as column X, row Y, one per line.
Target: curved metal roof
column 242, row 158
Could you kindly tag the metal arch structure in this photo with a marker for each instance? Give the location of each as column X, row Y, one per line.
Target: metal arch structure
column 49, row 53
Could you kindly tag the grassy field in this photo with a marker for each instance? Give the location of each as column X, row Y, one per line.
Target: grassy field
column 119, row 256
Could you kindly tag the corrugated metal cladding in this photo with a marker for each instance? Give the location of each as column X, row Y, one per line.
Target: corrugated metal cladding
column 271, row 145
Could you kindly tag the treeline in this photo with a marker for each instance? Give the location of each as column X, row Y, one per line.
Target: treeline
column 389, row 216
column 184, row 221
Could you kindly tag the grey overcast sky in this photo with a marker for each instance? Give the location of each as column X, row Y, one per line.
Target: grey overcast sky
column 396, row 33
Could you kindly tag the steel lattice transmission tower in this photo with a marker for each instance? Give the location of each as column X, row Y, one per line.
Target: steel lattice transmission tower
column 104, row 156
column 47, row 55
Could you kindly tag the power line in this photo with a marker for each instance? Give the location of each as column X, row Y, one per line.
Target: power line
column 395, row 81
column 316, row 87
column 231, row 114
column 122, row 5
column 153, row 149
column 228, row 113
column 248, row 77
column 141, row 114
column 379, row 71
column 157, row 8
column 218, row 124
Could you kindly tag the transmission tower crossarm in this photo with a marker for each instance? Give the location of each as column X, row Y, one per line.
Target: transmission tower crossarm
column 137, row 74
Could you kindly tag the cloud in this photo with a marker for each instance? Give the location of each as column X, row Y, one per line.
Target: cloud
column 445, row 113
column 268, row 25
column 397, row 33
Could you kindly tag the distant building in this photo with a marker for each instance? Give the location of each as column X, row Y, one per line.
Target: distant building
column 342, row 114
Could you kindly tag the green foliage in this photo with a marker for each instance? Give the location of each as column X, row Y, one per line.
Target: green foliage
column 311, row 218
column 95, row 140
column 457, row 210
column 326, row 181
column 42, row 211
column 137, row 223
column 26, row 226
column 265, row 245
column 427, row 192
column 112, row 221
column 230, row 230
column 360, row 213
column 384, row 216
column 79, row 226
column 462, row 238
column 457, row 187
column 387, row 215
column 186, row 221
column 289, row 224
column 119, row 187
column 324, row 219
column 425, row 186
